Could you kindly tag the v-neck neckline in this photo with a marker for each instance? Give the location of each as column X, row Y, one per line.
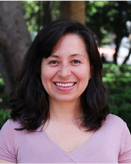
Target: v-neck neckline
column 74, row 151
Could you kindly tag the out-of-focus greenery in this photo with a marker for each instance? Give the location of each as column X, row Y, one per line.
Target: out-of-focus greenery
column 34, row 13
column 3, row 95
column 1, row 84
column 4, row 113
column 105, row 18
column 108, row 17
column 4, row 116
column 31, row 9
column 117, row 80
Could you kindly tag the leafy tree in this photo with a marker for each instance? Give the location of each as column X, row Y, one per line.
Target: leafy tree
column 39, row 13
column 108, row 17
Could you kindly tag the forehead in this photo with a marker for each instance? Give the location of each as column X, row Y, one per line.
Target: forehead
column 71, row 43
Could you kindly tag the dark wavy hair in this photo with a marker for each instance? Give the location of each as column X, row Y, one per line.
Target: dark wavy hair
column 30, row 100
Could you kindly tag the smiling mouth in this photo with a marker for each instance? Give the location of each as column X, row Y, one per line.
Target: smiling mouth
column 64, row 85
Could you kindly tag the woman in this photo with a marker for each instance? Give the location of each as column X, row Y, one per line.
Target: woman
column 60, row 112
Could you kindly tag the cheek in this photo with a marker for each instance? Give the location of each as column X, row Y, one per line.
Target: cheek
column 44, row 76
column 47, row 75
column 83, row 73
column 45, row 72
column 45, row 79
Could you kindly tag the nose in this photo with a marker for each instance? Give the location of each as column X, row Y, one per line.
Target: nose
column 64, row 71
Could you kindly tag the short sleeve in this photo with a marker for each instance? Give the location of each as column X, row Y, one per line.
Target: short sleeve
column 7, row 148
column 125, row 150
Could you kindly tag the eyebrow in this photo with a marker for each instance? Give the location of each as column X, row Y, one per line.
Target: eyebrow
column 55, row 56
column 77, row 54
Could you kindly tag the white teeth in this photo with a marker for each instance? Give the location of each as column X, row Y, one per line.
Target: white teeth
column 64, row 85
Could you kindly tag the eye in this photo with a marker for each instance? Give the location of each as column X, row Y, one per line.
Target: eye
column 53, row 62
column 76, row 62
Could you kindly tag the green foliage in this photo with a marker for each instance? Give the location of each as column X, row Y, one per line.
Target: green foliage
column 1, row 84
column 103, row 17
column 31, row 13
column 55, row 13
column 108, row 17
column 3, row 95
column 117, row 80
column 34, row 13
column 4, row 116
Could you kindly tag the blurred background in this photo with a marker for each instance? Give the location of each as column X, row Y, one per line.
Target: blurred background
column 20, row 22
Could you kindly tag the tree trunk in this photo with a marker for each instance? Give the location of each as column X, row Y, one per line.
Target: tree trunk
column 47, row 7
column 14, row 41
column 73, row 10
column 127, row 57
column 117, row 42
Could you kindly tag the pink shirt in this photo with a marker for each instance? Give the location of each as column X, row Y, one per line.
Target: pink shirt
column 110, row 144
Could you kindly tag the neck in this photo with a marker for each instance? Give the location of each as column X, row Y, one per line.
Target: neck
column 65, row 111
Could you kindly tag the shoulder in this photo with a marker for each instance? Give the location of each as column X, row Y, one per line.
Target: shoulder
column 116, row 131
column 115, row 120
column 115, row 124
column 9, row 129
column 10, row 124
column 7, row 140
column 115, row 128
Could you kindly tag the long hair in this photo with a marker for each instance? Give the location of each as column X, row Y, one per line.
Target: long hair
column 30, row 100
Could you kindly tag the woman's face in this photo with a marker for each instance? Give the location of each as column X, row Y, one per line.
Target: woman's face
column 66, row 72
